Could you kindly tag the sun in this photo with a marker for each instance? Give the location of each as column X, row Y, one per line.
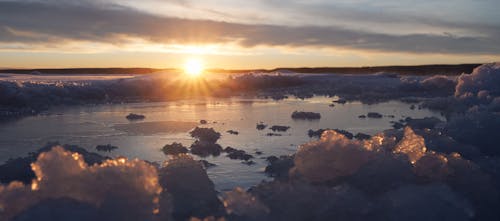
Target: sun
column 193, row 67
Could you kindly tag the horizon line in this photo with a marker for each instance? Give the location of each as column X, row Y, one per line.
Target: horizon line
column 243, row 69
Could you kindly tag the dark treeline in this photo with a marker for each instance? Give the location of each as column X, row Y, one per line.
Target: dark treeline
column 70, row 71
column 403, row 70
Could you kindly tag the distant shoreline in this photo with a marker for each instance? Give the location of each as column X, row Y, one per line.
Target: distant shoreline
column 454, row 69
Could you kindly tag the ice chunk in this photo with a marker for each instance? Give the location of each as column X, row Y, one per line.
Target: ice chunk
column 305, row 115
column 205, row 134
column 174, row 149
column 429, row 202
column 385, row 172
column 332, row 157
column 106, row 148
column 192, row 192
column 484, row 79
column 279, row 128
column 295, row 201
column 243, row 204
column 126, row 189
column 133, row 116
column 412, row 145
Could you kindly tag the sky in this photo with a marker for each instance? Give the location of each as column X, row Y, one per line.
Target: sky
column 247, row 34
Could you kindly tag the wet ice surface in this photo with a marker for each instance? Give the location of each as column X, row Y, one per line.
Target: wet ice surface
column 88, row 126
column 426, row 170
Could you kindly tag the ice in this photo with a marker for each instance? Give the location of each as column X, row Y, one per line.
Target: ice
column 305, row 115
column 133, row 117
column 236, row 154
column 126, row 189
column 374, row 115
column 106, row 148
column 481, row 85
column 279, row 128
column 412, row 145
column 63, row 209
column 297, row 201
column 191, row 190
column 476, row 128
column 205, row 143
column 205, row 134
column 19, row 169
column 261, row 126
column 436, row 140
column 427, row 122
column 332, row 157
column 374, row 179
column 431, row 170
column 384, row 173
column 174, row 149
column 279, row 166
column 432, row 167
column 429, row 202
column 440, row 83
column 30, row 96
column 242, row 204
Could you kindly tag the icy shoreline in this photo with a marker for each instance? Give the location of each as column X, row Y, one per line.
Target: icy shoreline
column 29, row 96
column 427, row 170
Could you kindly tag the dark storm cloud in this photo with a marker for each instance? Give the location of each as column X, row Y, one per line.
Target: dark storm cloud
column 34, row 22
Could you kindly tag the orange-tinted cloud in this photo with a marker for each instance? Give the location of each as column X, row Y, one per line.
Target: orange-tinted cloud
column 30, row 23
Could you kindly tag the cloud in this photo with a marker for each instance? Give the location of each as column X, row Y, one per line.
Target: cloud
column 57, row 22
column 401, row 16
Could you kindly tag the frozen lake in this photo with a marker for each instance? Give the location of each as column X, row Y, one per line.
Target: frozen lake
column 167, row 122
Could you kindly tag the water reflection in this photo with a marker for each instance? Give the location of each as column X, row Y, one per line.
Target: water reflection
column 88, row 126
